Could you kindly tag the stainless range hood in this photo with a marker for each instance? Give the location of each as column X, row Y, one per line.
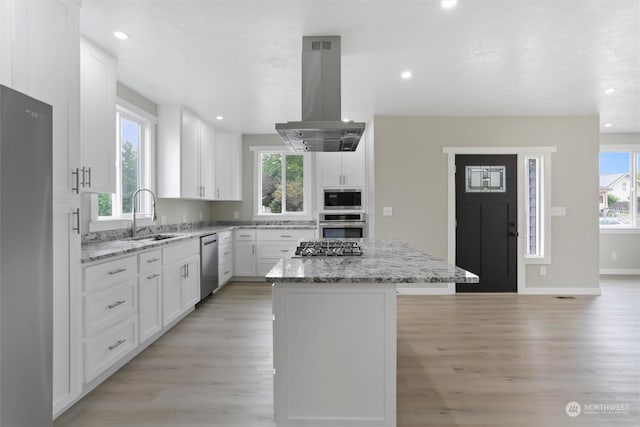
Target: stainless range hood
column 321, row 128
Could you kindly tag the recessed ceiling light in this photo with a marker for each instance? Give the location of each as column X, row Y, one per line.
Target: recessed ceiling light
column 406, row 74
column 608, row 125
column 121, row 35
column 448, row 4
column 219, row 117
column 609, row 90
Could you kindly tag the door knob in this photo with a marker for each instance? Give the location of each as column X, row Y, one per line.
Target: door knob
column 513, row 233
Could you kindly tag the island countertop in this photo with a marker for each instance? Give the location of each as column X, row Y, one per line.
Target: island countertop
column 382, row 261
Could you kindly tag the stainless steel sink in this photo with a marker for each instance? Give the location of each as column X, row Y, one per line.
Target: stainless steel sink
column 155, row 237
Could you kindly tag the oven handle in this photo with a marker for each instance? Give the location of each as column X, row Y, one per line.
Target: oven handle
column 342, row 224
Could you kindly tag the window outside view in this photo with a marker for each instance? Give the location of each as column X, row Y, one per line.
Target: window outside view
column 276, row 197
column 617, row 187
column 129, row 133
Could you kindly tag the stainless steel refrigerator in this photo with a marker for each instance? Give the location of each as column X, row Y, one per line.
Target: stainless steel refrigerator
column 26, row 260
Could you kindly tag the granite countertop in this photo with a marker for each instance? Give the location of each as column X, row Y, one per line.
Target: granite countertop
column 101, row 250
column 382, row 261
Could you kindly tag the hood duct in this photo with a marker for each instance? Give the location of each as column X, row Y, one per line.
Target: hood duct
column 321, row 128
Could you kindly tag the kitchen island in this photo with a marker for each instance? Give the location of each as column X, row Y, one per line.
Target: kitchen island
column 334, row 332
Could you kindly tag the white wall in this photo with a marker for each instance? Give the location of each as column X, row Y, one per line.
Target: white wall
column 411, row 176
column 625, row 246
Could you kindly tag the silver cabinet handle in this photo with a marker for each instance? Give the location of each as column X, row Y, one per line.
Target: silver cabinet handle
column 218, row 193
column 285, row 235
column 115, row 304
column 77, row 227
column 226, row 272
column 89, row 172
column 253, row 249
column 153, row 260
column 284, row 250
column 116, row 271
column 77, row 187
column 153, row 276
column 187, row 270
column 245, row 235
column 226, row 253
column 116, row 345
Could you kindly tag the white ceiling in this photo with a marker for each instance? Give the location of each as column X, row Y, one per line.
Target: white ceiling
column 241, row 58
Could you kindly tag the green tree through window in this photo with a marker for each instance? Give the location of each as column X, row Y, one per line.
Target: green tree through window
column 272, row 183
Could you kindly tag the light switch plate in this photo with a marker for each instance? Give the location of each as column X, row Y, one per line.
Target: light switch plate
column 236, row 215
column 387, row 211
column 558, row 211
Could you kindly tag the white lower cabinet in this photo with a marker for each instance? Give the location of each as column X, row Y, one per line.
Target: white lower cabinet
column 110, row 307
column 102, row 351
column 225, row 257
column 180, row 279
column 257, row 251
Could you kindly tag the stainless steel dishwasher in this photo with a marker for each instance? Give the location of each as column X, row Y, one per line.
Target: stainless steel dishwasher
column 208, row 264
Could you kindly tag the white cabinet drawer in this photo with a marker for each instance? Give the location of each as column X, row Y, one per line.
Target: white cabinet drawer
column 225, row 237
column 106, row 308
column 107, row 348
column 225, row 273
column 225, row 254
column 285, row 234
column 180, row 251
column 100, row 275
column 150, row 261
column 244, row 235
column 276, row 249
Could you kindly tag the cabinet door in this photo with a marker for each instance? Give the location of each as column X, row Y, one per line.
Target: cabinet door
column 149, row 304
column 207, row 162
column 191, row 285
column 98, row 119
column 171, row 293
column 6, row 18
column 67, row 316
column 228, row 166
column 353, row 167
column 329, row 169
column 190, row 153
column 244, row 258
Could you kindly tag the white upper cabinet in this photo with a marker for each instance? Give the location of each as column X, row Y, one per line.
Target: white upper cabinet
column 195, row 160
column 228, row 166
column 98, row 120
column 342, row 169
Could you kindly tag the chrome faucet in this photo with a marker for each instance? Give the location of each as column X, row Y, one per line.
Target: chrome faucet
column 133, row 209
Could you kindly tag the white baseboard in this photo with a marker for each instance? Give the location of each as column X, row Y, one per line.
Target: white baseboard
column 449, row 290
column 623, row 271
column 560, row 291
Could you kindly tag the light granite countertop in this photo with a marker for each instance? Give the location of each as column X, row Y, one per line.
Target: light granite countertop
column 382, row 261
column 102, row 250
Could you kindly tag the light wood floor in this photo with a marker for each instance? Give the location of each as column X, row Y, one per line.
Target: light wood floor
column 463, row 360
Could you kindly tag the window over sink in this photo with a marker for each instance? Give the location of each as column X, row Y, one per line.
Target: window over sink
column 134, row 169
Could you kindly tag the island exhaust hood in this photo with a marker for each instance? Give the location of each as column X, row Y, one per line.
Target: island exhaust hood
column 321, row 128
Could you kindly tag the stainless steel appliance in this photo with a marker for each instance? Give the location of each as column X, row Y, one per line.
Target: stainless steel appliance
column 321, row 128
column 208, row 264
column 342, row 199
column 26, row 264
column 342, row 225
column 328, row 248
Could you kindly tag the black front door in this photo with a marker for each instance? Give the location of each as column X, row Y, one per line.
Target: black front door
column 486, row 214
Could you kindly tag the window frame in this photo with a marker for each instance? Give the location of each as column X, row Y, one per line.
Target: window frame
column 147, row 122
column 634, row 190
column 542, row 209
column 306, row 214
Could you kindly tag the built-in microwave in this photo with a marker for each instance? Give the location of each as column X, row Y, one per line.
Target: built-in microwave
column 342, row 199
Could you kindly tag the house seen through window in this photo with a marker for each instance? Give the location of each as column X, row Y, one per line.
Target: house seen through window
column 619, row 200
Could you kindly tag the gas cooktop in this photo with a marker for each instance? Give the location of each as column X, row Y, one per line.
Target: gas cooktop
column 328, row 248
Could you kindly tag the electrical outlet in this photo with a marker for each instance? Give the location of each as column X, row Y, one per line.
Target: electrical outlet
column 387, row 211
column 184, row 218
column 236, row 215
column 163, row 219
column 543, row 270
column 200, row 216
column 614, row 256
